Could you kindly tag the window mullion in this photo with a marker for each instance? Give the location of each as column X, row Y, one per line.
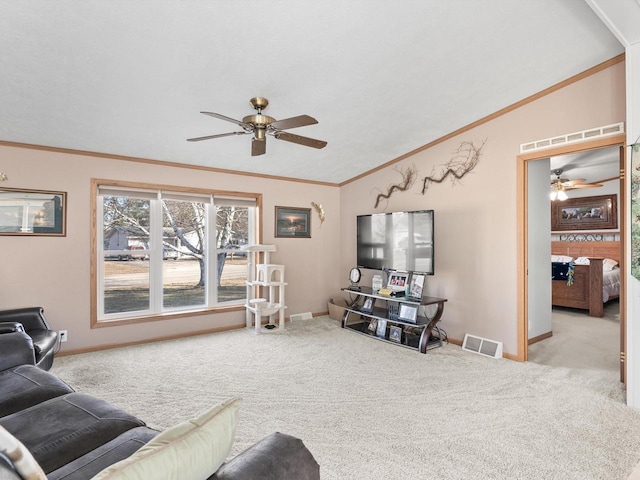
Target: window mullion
column 211, row 255
column 155, row 256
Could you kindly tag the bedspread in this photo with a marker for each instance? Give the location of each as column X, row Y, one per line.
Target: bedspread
column 610, row 284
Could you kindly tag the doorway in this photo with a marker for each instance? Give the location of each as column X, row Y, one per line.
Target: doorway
column 529, row 248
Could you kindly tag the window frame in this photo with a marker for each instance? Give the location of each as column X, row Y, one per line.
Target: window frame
column 97, row 258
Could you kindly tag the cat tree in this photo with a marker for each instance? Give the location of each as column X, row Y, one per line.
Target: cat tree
column 265, row 290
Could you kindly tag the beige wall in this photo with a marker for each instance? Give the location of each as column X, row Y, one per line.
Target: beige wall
column 53, row 272
column 476, row 224
column 476, row 219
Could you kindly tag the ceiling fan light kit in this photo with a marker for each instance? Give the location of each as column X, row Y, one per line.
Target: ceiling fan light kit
column 559, row 186
column 558, row 195
column 262, row 125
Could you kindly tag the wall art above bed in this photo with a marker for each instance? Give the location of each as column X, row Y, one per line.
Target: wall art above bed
column 585, row 213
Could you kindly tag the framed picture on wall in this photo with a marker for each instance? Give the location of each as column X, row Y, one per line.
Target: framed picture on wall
column 293, row 222
column 585, row 213
column 33, row 212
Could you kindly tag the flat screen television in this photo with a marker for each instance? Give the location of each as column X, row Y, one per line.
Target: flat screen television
column 396, row 241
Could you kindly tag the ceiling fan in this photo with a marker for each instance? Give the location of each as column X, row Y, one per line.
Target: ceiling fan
column 560, row 185
column 261, row 125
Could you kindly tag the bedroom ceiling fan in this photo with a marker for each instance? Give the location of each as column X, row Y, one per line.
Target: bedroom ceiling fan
column 559, row 186
column 262, row 125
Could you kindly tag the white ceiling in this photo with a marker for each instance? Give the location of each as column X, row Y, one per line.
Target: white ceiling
column 593, row 166
column 129, row 77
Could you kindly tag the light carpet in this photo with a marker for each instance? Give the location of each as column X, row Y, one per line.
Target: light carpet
column 372, row 410
column 580, row 341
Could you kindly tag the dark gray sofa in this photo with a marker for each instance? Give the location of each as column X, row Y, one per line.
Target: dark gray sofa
column 73, row 436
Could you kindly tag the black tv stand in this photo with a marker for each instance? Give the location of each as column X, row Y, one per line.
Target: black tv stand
column 367, row 311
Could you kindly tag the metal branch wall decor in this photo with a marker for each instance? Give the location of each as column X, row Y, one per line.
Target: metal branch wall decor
column 408, row 179
column 465, row 159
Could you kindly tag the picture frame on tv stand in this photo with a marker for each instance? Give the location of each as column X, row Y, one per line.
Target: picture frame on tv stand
column 397, row 281
column 408, row 313
column 381, row 330
column 367, row 306
column 416, row 285
column 395, row 334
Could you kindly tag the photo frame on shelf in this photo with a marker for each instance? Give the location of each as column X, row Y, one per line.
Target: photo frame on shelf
column 395, row 334
column 416, row 285
column 408, row 313
column 373, row 325
column 397, row 281
column 293, row 222
column 367, row 306
column 381, row 329
column 33, row 212
column 599, row 212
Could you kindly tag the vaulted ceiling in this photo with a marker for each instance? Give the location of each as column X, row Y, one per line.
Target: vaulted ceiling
column 129, row 77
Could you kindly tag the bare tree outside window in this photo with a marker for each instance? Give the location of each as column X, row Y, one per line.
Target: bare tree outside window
column 127, row 236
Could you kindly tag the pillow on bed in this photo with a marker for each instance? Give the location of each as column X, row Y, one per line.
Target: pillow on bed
column 561, row 258
column 608, row 264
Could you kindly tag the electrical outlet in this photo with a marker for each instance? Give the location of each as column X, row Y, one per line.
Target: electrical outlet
column 63, row 335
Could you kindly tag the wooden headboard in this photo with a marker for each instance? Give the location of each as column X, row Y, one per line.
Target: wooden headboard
column 587, row 249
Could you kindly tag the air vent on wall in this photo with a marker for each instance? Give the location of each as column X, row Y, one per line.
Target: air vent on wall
column 573, row 137
column 482, row 346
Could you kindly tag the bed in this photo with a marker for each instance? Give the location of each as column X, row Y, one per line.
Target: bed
column 594, row 283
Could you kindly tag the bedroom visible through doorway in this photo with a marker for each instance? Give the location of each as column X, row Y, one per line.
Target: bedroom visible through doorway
column 574, row 339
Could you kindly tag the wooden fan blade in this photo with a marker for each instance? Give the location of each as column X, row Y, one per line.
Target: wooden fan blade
column 584, row 185
column 571, row 183
column 306, row 141
column 220, row 135
column 258, row 147
column 225, row 118
column 293, row 122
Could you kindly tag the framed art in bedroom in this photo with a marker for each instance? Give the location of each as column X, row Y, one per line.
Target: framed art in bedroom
column 585, row 213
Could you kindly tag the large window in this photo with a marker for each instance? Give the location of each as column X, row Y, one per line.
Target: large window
column 161, row 251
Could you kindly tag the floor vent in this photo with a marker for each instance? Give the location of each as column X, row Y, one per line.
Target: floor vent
column 488, row 348
column 590, row 134
column 301, row 316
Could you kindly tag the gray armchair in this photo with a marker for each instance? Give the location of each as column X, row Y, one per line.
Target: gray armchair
column 31, row 321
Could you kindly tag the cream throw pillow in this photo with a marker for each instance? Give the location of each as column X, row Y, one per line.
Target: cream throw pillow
column 193, row 449
column 22, row 460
